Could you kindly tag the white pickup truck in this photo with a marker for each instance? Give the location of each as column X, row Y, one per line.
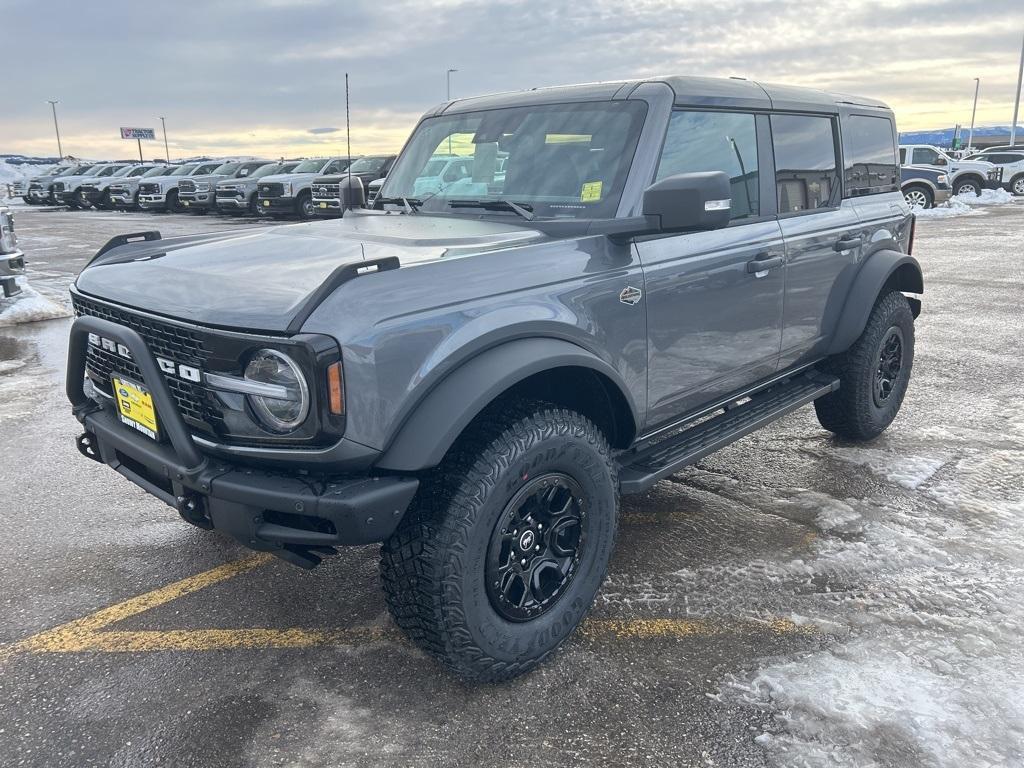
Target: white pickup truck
column 965, row 176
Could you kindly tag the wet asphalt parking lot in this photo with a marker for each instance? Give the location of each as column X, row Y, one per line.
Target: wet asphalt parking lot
column 791, row 601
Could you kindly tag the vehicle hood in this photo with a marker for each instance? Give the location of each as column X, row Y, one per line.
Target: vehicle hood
column 973, row 165
column 260, row 279
column 287, row 177
column 214, row 177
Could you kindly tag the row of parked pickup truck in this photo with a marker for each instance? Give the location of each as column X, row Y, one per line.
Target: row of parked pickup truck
column 313, row 188
column 259, row 187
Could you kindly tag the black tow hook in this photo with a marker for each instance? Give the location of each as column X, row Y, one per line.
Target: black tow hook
column 86, row 444
column 192, row 509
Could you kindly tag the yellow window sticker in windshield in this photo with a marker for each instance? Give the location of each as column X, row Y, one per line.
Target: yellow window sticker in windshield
column 591, row 192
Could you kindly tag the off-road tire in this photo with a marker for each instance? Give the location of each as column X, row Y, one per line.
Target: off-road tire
column 968, row 185
column 919, row 195
column 855, row 410
column 433, row 568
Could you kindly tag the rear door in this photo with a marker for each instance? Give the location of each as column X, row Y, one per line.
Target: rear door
column 714, row 322
column 823, row 241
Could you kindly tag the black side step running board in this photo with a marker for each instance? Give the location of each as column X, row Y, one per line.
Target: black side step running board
column 640, row 470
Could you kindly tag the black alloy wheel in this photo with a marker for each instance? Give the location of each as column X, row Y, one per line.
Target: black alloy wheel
column 536, row 546
column 890, row 363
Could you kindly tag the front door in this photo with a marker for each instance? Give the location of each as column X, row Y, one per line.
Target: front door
column 714, row 318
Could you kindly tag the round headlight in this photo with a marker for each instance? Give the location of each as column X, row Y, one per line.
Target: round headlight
column 288, row 406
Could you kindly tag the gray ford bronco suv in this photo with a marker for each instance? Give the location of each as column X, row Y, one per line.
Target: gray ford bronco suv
column 473, row 377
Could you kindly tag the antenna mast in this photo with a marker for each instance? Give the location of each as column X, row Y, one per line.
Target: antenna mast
column 348, row 146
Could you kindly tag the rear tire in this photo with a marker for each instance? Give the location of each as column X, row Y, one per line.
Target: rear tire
column 454, row 574
column 873, row 373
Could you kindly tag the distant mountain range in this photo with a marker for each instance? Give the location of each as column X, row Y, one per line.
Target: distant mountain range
column 944, row 137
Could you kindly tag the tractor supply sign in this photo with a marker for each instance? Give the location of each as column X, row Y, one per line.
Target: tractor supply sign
column 138, row 133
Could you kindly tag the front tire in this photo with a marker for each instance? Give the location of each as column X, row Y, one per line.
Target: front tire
column 304, row 206
column 873, row 373
column 1017, row 185
column 918, row 196
column 968, row 187
column 171, row 204
column 507, row 543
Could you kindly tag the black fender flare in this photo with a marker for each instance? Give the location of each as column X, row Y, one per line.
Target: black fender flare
column 884, row 268
column 441, row 415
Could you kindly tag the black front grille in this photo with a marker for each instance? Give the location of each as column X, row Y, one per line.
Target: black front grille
column 172, row 342
column 271, row 189
column 186, row 185
column 228, row 192
column 149, row 189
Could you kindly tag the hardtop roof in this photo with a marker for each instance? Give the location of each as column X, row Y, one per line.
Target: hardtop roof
column 721, row 92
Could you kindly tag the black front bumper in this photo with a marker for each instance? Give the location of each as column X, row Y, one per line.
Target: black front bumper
column 297, row 517
column 277, row 205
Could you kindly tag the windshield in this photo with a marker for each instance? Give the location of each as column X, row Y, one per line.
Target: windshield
column 126, row 171
column 245, row 170
column 84, row 170
column 227, row 169
column 160, row 170
column 269, row 168
column 183, row 170
column 368, row 164
column 310, row 166
column 558, row 160
column 107, row 171
column 133, row 172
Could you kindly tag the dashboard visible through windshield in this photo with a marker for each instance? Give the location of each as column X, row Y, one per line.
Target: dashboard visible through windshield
column 557, row 160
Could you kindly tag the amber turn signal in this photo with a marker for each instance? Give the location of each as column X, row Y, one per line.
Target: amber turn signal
column 335, row 389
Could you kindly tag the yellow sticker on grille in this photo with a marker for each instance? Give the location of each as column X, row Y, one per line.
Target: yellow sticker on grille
column 135, row 407
column 591, row 192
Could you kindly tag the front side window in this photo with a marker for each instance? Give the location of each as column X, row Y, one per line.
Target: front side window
column 870, row 155
column 806, row 172
column 926, row 156
column 555, row 160
column 715, row 141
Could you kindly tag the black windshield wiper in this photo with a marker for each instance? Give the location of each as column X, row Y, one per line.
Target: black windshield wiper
column 410, row 204
column 526, row 211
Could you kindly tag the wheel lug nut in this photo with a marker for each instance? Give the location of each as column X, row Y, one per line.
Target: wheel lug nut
column 537, row 547
column 523, row 561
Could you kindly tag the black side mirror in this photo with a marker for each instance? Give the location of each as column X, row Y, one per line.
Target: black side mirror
column 690, row 202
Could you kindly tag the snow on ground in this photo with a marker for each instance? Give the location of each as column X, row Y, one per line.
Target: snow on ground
column 29, row 306
column 967, row 204
column 919, row 590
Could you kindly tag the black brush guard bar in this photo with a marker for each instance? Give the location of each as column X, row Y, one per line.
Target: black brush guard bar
column 295, row 517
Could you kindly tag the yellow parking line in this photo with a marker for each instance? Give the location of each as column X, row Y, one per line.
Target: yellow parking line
column 88, row 634
column 66, row 634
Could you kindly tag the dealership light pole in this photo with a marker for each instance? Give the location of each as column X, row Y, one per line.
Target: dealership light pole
column 974, row 110
column 1016, row 98
column 53, row 105
column 167, row 152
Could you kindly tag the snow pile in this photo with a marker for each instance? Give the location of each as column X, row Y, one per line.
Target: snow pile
column 987, row 197
column 953, row 207
column 10, row 173
column 29, row 306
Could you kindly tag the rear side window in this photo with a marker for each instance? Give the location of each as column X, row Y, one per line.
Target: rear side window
column 715, row 141
column 869, row 151
column 806, row 172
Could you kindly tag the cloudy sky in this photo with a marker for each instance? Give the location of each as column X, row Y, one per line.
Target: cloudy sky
column 266, row 77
